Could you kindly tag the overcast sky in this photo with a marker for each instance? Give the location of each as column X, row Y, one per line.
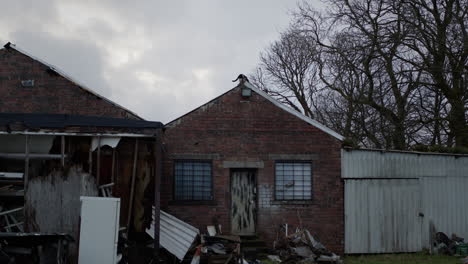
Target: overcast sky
column 160, row 59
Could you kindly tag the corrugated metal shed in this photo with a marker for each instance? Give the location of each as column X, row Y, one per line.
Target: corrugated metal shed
column 445, row 201
column 175, row 235
column 391, row 197
column 382, row 216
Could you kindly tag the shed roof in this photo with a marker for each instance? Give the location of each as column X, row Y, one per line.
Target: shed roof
column 299, row 115
column 33, row 122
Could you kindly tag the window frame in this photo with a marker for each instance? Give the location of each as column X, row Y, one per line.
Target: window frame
column 311, row 181
column 174, row 196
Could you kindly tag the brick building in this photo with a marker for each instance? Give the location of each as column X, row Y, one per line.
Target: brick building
column 243, row 160
column 59, row 141
column 250, row 164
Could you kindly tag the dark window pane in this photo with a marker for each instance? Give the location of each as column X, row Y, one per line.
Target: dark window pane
column 192, row 180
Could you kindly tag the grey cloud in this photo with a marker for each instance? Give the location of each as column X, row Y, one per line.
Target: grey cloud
column 178, row 39
column 79, row 58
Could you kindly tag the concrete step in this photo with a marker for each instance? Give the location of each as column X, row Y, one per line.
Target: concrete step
column 253, row 247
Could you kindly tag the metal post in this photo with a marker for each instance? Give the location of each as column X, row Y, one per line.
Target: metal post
column 157, row 190
column 90, row 157
column 132, row 186
column 26, row 179
column 98, row 166
column 26, row 163
column 62, row 149
column 113, row 166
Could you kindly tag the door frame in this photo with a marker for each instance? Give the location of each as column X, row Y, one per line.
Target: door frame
column 255, row 171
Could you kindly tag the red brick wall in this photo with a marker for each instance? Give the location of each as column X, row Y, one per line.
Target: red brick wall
column 50, row 94
column 235, row 129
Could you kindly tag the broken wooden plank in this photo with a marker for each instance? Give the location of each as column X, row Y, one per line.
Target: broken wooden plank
column 132, row 186
column 31, row 156
column 98, row 165
column 26, row 163
column 62, row 150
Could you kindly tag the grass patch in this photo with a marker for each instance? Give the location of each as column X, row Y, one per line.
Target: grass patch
column 415, row 258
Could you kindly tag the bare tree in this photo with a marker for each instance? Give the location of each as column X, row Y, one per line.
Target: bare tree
column 288, row 71
column 439, row 38
column 389, row 74
column 368, row 35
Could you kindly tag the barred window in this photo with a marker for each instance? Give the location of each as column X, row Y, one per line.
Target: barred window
column 193, row 180
column 293, row 181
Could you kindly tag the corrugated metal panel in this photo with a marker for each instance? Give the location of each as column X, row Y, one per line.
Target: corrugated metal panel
column 175, row 235
column 381, row 216
column 372, row 188
column 445, row 204
column 381, row 164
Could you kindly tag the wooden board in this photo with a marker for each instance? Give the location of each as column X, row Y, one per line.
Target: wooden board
column 243, row 202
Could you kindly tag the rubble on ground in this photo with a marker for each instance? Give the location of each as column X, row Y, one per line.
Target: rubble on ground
column 301, row 247
column 449, row 246
column 217, row 248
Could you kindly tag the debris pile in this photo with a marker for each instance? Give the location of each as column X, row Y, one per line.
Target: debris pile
column 217, row 248
column 301, row 247
column 450, row 246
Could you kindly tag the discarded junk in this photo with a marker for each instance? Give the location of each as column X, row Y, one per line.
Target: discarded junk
column 301, row 247
column 450, row 246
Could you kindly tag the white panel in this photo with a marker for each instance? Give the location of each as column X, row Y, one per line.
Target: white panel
column 174, row 234
column 381, row 216
column 99, row 230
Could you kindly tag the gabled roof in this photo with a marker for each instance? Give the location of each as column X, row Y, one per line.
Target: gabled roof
column 278, row 104
column 10, row 45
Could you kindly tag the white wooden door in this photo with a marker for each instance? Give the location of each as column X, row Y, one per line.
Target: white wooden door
column 243, row 202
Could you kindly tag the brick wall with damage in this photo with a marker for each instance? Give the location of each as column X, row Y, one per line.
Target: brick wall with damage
column 234, row 131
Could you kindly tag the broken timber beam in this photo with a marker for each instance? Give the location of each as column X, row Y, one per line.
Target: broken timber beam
column 132, row 186
column 157, row 190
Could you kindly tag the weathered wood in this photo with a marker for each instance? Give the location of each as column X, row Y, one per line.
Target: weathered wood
column 243, row 202
column 106, row 189
column 26, row 162
column 98, row 163
column 30, row 156
column 113, row 167
column 90, row 158
column 11, row 211
column 157, row 190
column 52, row 203
column 132, row 186
column 62, row 149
